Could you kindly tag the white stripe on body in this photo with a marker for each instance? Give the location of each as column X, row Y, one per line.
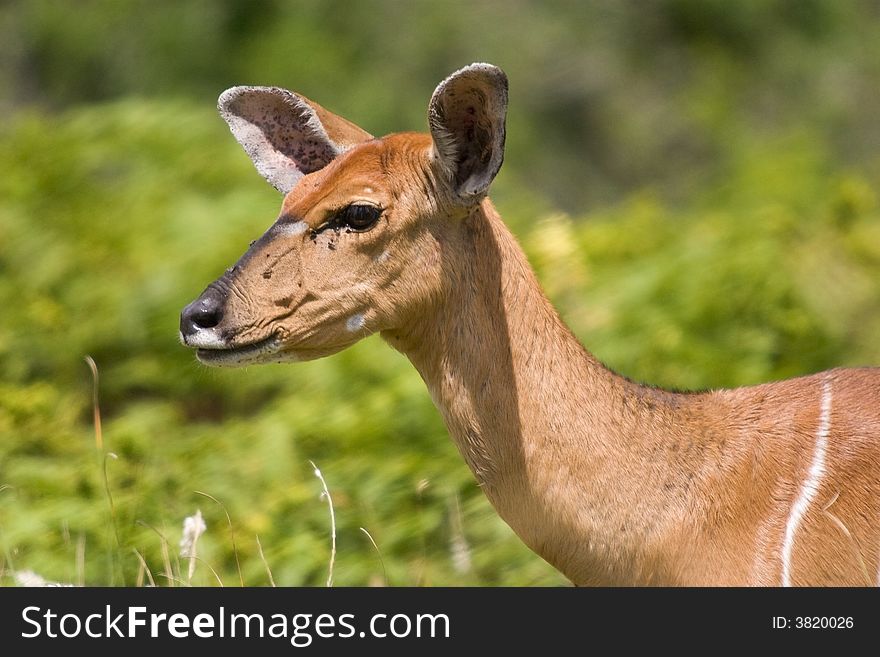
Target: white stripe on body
column 811, row 484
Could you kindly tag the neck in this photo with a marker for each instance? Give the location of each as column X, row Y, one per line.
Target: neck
column 557, row 442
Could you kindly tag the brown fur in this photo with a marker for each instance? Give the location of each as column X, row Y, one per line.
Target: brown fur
column 611, row 482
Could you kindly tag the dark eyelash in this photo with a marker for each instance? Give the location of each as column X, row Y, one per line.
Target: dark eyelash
column 358, row 216
column 354, row 218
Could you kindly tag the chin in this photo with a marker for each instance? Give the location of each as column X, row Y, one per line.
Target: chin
column 245, row 356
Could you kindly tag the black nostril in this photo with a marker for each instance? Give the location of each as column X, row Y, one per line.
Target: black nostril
column 206, row 317
column 206, row 312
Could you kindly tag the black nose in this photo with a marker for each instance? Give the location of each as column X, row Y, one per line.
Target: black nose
column 203, row 313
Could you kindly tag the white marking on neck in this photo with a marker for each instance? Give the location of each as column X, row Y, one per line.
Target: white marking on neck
column 294, row 229
column 355, row 323
column 811, row 484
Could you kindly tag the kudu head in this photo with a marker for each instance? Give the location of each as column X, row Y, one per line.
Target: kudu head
column 357, row 246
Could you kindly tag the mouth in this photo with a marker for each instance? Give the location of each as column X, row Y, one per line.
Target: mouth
column 254, row 352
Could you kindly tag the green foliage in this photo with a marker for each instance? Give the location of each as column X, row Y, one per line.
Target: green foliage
column 740, row 288
column 718, row 164
column 606, row 97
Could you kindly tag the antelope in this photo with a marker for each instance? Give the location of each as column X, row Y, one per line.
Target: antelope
column 610, row 481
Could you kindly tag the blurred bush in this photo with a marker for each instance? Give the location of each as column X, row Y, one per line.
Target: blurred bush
column 695, row 182
column 606, row 97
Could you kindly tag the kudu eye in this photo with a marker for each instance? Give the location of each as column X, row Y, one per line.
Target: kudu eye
column 358, row 216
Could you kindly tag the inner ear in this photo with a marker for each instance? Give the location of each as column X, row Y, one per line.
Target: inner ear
column 467, row 119
column 285, row 134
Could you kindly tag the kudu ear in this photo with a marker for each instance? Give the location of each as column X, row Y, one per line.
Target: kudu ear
column 466, row 117
column 285, row 134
